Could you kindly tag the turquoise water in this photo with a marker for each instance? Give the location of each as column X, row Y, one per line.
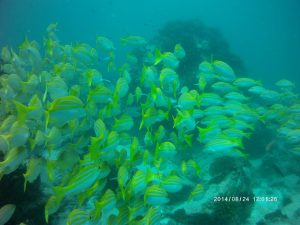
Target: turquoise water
column 149, row 112
column 265, row 34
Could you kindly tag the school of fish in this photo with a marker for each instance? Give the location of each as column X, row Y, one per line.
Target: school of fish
column 113, row 144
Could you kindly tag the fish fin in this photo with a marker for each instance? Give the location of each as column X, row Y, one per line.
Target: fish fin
column 158, row 56
column 1, row 174
column 123, row 193
column 25, row 182
column 4, row 142
column 142, row 122
column 22, row 111
column 111, row 66
column 149, row 176
column 202, row 132
column 31, row 143
column 47, row 119
column 123, row 41
column 262, row 119
column 183, row 167
column 166, row 115
column 156, row 152
column 59, row 192
column 188, row 138
column 45, row 93
column 57, row 202
column 239, row 144
column 242, row 154
column 174, row 121
column 49, row 167
column 247, row 135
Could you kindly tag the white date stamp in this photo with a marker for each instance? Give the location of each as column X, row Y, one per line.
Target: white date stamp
column 245, row 199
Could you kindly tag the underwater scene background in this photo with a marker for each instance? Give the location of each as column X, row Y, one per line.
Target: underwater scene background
column 149, row 112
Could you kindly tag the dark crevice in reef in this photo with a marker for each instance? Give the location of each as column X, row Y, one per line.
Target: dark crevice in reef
column 30, row 204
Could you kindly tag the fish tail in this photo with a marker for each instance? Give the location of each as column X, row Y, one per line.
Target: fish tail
column 46, row 215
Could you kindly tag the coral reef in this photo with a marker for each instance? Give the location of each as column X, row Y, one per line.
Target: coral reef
column 200, row 43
